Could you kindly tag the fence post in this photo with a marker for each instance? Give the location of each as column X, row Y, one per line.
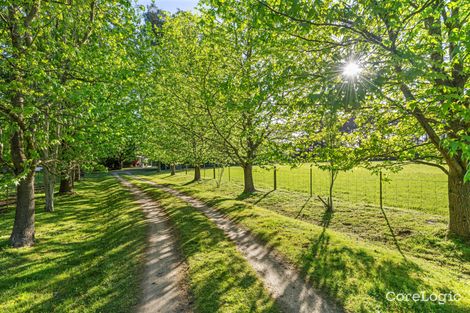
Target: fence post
column 275, row 177
column 311, row 180
column 229, row 172
column 213, row 170
column 8, row 198
column 186, row 169
column 381, row 191
column 204, row 168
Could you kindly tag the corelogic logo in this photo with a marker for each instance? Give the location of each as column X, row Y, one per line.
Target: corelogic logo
column 441, row 298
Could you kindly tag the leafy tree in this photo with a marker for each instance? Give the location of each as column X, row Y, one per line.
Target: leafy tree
column 326, row 141
column 243, row 84
column 417, row 60
column 56, row 57
column 180, row 131
column 156, row 18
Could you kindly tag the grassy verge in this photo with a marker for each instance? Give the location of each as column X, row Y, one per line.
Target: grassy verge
column 88, row 255
column 358, row 273
column 219, row 277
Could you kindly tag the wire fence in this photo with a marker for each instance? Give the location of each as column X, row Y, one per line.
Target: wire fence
column 7, row 197
column 8, row 193
column 413, row 189
column 417, row 189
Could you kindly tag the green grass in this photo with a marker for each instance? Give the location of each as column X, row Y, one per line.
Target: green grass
column 418, row 233
column 356, row 270
column 220, row 279
column 88, row 256
column 420, row 187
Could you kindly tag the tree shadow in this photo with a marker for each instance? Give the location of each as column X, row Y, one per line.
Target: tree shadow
column 322, row 241
column 303, row 207
column 245, row 195
column 344, row 272
column 192, row 182
column 263, row 196
column 257, row 193
column 392, row 233
column 93, row 266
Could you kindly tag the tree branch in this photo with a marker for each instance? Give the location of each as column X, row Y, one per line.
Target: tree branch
column 431, row 164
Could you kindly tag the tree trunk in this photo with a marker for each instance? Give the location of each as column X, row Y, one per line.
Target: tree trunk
column 173, row 169
column 23, row 228
column 197, row 173
column 333, row 174
column 66, row 184
column 50, row 155
column 77, row 173
column 248, row 178
column 49, row 184
column 459, row 204
column 72, row 178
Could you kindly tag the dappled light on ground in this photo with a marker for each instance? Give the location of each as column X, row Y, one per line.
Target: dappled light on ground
column 87, row 258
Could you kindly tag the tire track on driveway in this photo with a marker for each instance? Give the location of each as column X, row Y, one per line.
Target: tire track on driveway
column 163, row 283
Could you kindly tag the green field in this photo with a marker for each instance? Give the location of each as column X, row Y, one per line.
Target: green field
column 418, row 187
column 87, row 257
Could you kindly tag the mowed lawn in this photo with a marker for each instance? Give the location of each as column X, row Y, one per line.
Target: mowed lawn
column 357, row 271
column 88, row 256
column 416, row 186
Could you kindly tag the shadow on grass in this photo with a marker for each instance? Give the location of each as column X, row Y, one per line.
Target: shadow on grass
column 321, row 243
column 352, row 274
column 245, row 195
column 303, row 207
column 192, row 182
column 86, row 258
column 339, row 268
column 392, row 233
column 262, row 197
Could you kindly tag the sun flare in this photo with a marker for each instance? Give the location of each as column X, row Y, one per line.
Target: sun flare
column 351, row 69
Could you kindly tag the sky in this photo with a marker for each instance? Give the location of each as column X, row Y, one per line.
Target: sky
column 172, row 5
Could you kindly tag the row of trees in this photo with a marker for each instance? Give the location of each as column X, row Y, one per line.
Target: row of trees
column 336, row 83
column 240, row 82
column 66, row 81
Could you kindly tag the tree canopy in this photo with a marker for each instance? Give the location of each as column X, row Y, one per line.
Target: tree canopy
column 246, row 83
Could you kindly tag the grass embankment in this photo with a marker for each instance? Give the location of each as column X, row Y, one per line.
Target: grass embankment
column 358, row 273
column 220, row 279
column 88, row 256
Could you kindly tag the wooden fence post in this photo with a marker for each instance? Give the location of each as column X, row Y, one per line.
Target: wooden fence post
column 311, row 180
column 275, row 177
column 381, row 191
